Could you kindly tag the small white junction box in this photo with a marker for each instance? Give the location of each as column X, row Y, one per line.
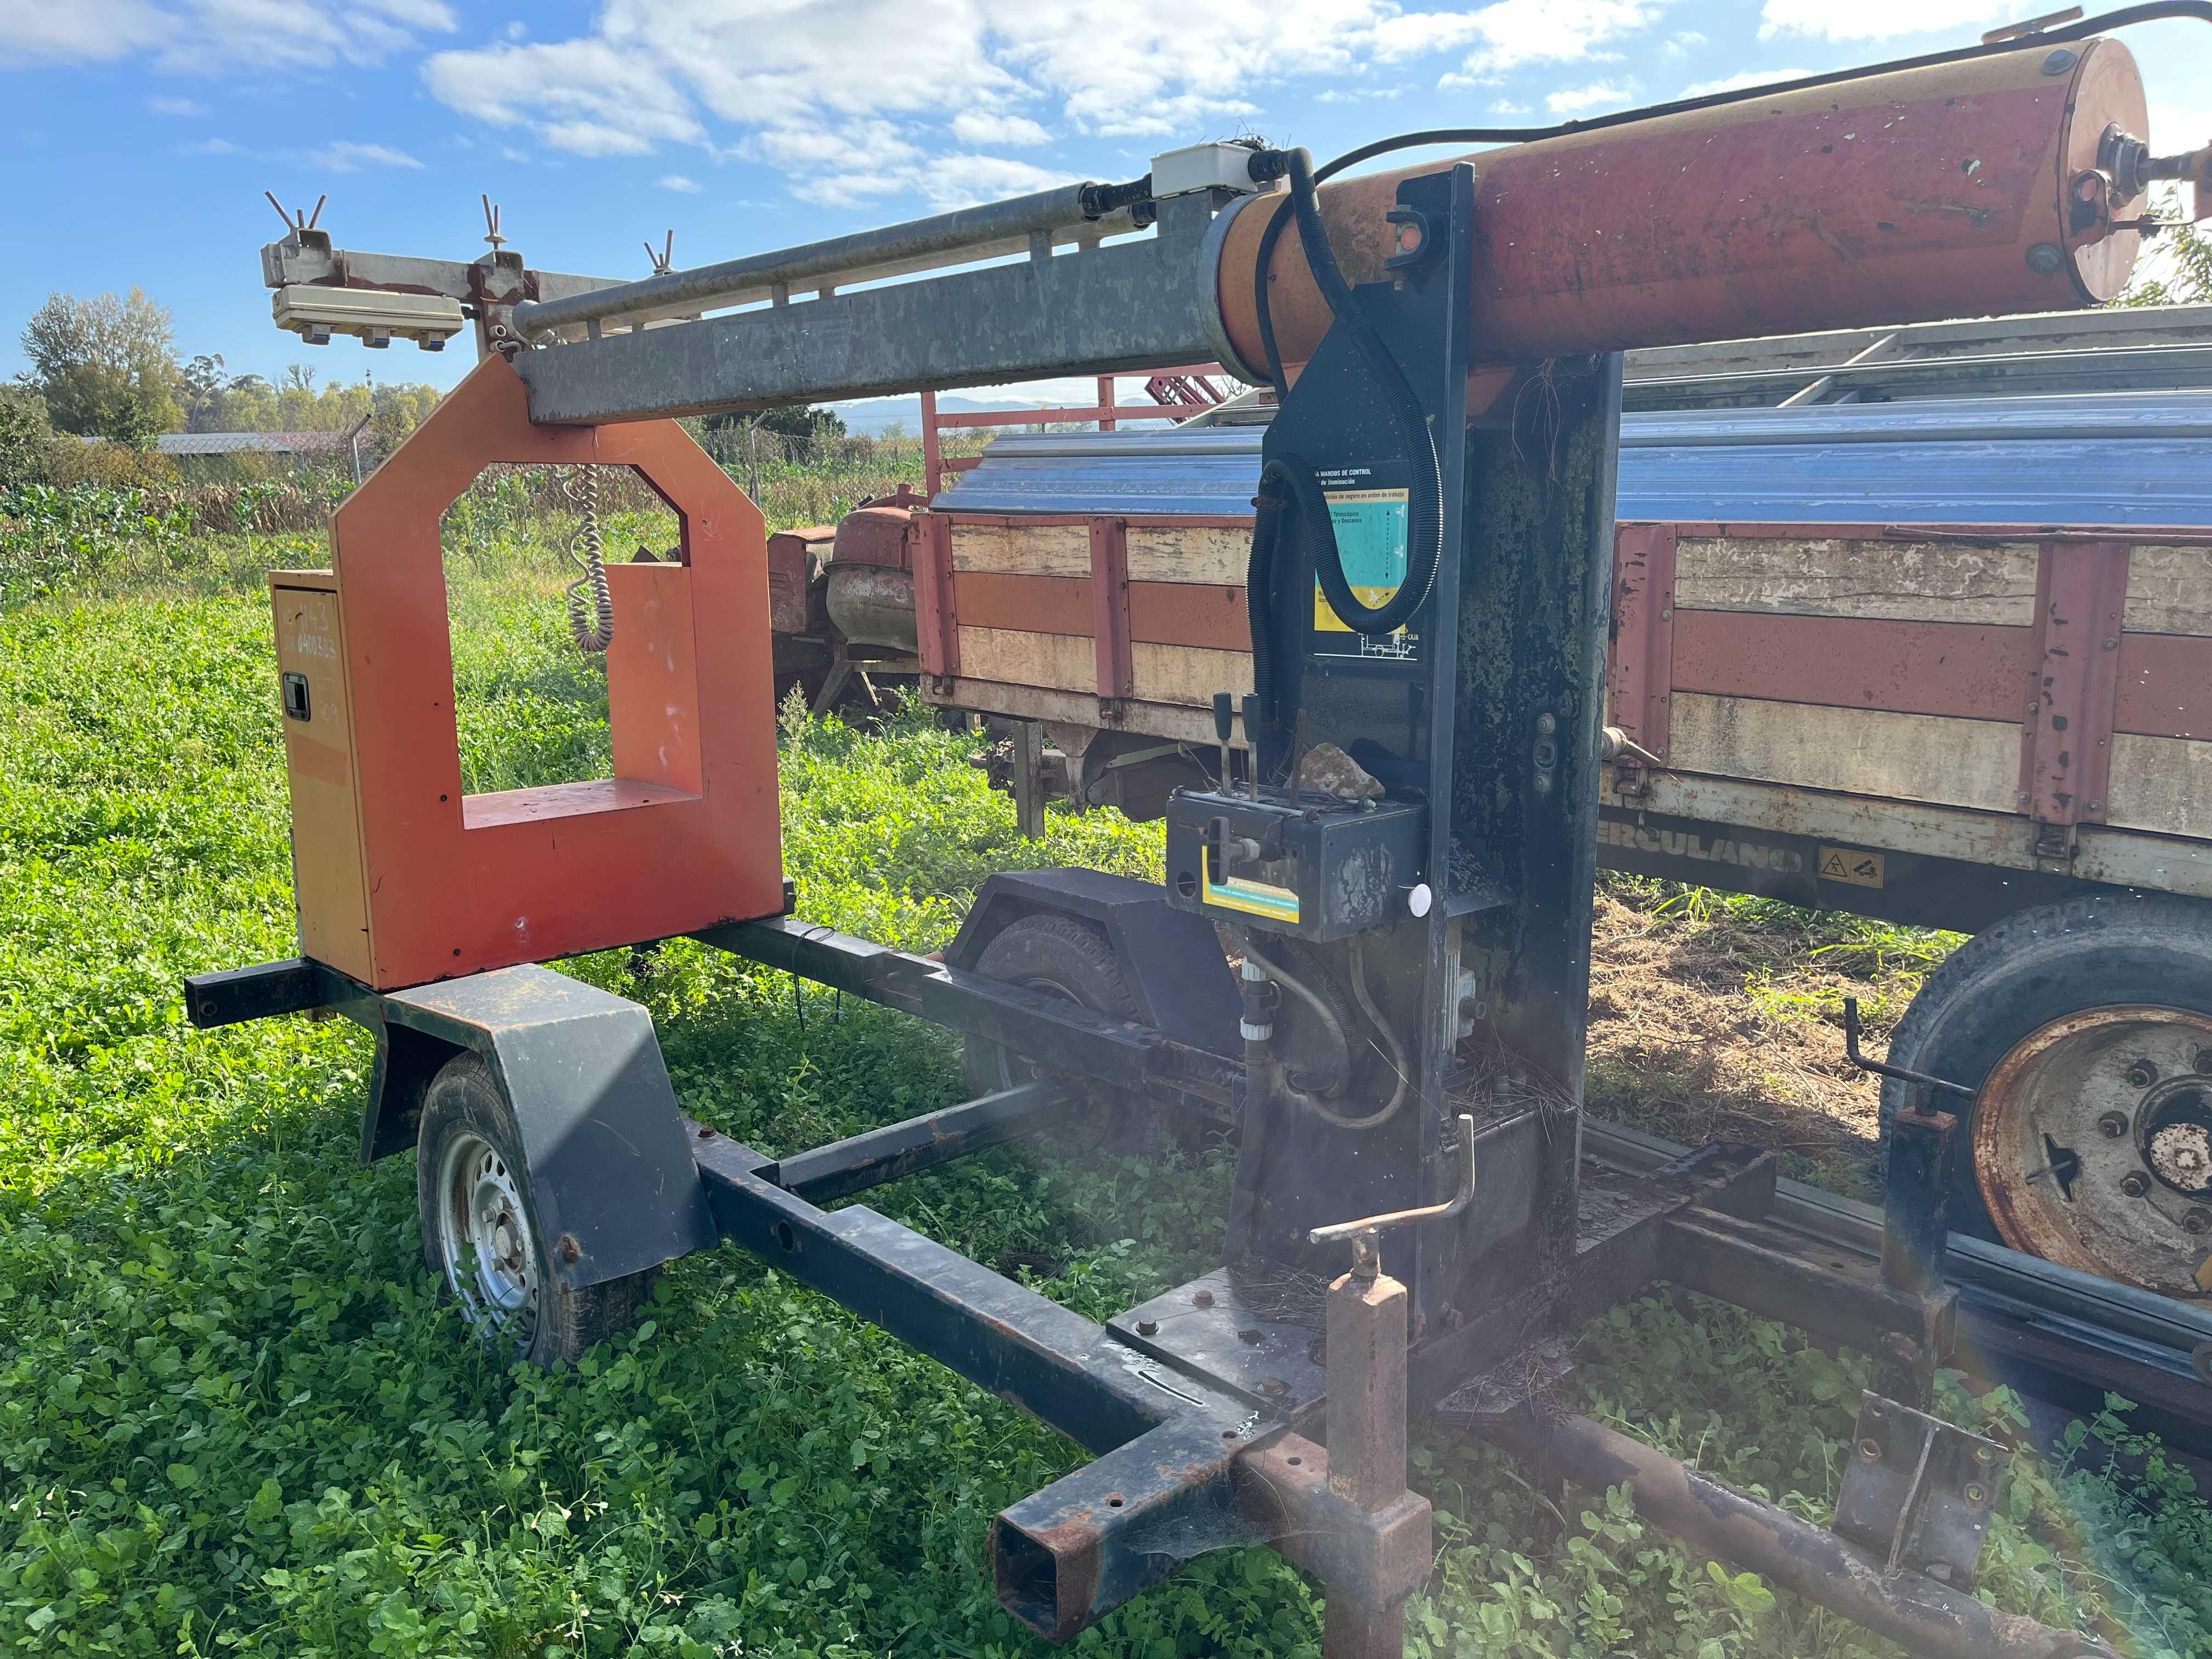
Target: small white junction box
column 1205, row 167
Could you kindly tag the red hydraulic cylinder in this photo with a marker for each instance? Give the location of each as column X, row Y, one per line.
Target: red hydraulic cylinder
column 1957, row 190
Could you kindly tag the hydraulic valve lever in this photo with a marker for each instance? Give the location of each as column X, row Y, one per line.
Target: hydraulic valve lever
column 1362, row 1232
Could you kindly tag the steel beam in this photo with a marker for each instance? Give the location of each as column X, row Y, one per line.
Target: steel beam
column 1069, row 1039
column 989, row 230
column 845, row 1167
column 1136, row 305
column 1162, row 1490
column 1919, row 1614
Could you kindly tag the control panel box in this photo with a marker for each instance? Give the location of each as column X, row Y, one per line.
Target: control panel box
column 1314, row 868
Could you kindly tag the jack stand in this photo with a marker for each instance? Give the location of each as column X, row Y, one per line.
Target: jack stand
column 1343, row 1513
column 1367, row 1365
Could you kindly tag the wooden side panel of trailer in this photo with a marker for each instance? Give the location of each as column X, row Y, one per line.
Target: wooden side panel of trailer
column 2048, row 679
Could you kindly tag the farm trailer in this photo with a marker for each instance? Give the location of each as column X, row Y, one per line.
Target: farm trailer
column 1401, row 1051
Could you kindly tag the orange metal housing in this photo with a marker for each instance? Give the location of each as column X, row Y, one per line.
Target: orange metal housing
column 401, row 877
column 1957, row 190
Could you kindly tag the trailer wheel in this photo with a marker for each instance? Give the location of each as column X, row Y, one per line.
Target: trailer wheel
column 1062, row 958
column 2087, row 1027
column 470, row 1188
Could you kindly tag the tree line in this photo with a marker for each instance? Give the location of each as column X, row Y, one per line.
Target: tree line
column 108, row 367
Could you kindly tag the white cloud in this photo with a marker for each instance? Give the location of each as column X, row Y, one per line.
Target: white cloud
column 1877, row 19
column 1680, row 46
column 84, row 31
column 1507, row 106
column 346, row 156
column 1514, row 33
column 679, row 183
column 178, row 107
column 211, row 147
column 1574, row 101
column 776, row 82
column 214, row 36
column 587, row 96
column 979, row 127
column 1748, row 78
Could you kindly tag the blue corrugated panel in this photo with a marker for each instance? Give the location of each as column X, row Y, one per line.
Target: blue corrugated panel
column 2116, row 458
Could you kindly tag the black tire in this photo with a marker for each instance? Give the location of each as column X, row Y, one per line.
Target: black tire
column 468, row 1124
column 1069, row 959
column 2037, row 967
column 1061, row 956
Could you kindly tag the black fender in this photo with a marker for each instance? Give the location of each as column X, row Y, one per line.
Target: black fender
column 610, row 1178
column 1172, row 959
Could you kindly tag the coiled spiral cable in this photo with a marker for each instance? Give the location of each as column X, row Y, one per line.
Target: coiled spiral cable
column 590, row 606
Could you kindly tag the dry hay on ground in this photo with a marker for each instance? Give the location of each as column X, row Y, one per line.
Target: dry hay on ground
column 1715, row 1023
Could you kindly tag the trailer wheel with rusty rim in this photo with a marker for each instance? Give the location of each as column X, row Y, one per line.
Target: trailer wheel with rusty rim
column 2087, row 1027
column 471, row 1189
column 1066, row 957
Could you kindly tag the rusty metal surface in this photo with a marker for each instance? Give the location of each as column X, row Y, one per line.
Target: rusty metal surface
column 880, row 535
column 794, row 569
column 1377, row 1557
column 1367, row 1314
column 1920, row 1615
column 1644, row 660
column 1898, row 199
column 2111, row 1102
column 1227, row 1327
column 1918, row 1491
column 1771, row 1271
column 2082, row 592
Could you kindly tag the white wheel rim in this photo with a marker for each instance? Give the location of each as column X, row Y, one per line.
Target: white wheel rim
column 484, row 1239
column 2092, row 1144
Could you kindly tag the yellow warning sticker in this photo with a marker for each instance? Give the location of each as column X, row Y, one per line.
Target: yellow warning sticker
column 1256, row 898
column 1848, row 864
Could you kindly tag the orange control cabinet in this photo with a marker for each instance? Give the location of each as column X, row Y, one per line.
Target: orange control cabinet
column 402, row 878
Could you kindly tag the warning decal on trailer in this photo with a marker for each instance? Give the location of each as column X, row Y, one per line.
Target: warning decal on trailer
column 1849, row 864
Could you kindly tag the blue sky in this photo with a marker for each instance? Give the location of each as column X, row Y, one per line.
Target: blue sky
column 141, row 132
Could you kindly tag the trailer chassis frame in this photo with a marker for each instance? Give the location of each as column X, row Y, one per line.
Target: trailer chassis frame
column 1202, row 1437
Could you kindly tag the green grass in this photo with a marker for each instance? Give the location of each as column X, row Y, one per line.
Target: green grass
column 234, row 1418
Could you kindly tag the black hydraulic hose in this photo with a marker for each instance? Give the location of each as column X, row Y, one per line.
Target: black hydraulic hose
column 1290, row 483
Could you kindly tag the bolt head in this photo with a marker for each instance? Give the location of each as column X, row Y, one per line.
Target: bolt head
column 1870, row 1449
column 2197, row 1222
column 1274, row 1387
column 1148, row 1327
column 2112, row 1125
column 1203, row 1299
column 2142, row 1074
column 2204, row 1062
column 1975, row 1493
column 2134, row 1183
